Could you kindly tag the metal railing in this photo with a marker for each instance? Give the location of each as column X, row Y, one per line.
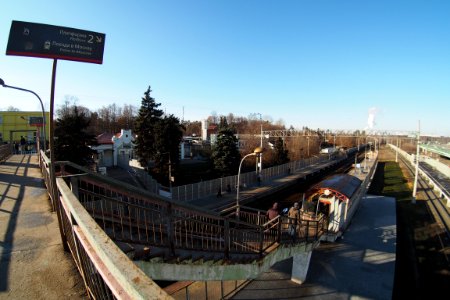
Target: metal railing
column 191, row 192
column 137, row 217
column 93, row 209
column 435, row 182
column 106, row 271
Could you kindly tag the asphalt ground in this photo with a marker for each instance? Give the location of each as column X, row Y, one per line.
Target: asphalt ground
column 33, row 263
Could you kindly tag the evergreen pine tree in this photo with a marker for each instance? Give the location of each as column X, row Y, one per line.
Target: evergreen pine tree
column 145, row 128
column 225, row 154
column 168, row 135
column 72, row 138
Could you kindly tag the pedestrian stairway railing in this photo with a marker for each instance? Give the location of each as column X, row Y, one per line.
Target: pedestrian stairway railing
column 94, row 210
column 106, row 271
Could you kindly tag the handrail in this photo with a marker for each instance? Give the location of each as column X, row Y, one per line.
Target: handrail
column 93, row 208
column 106, row 271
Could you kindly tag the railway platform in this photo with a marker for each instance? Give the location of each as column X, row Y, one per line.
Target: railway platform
column 360, row 265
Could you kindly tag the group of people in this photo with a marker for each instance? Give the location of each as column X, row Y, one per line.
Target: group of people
column 293, row 215
column 20, row 147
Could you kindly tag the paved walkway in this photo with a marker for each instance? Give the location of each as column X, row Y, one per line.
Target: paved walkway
column 361, row 265
column 33, row 264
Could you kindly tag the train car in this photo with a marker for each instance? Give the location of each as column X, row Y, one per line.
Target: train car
column 332, row 198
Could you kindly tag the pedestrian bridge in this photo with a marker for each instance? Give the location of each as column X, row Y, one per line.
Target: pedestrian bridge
column 122, row 237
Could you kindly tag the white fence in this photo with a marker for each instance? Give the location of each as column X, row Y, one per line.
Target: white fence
column 191, row 192
column 443, row 193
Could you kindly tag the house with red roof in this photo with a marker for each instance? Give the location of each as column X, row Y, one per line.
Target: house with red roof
column 115, row 149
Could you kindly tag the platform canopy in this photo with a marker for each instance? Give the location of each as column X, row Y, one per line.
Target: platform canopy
column 343, row 186
column 443, row 150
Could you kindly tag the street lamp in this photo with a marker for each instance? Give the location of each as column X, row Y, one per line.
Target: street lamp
column 257, row 151
column 259, row 168
column 416, row 174
column 2, row 83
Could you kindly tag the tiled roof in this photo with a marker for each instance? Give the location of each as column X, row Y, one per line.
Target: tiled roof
column 105, row 138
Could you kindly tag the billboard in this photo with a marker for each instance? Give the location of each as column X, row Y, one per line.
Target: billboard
column 48, row 41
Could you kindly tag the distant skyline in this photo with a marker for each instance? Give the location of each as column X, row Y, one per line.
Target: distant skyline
column 321, row 64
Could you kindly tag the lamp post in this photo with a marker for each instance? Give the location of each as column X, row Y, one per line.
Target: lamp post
column 396, row 152
column 257, row 151
column 416, row 175
column 2, row 83
column 260, row 145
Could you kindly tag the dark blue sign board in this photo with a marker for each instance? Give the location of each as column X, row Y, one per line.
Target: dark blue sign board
column 36, row 121
column 48, row 41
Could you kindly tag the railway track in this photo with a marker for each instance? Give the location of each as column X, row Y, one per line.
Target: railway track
column 435, row 206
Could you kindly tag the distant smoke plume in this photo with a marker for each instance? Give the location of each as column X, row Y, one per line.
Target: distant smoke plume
column 371, row 118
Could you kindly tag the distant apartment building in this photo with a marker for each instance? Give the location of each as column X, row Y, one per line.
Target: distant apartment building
column 15, row 124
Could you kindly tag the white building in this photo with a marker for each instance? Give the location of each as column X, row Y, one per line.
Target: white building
column 115, row 149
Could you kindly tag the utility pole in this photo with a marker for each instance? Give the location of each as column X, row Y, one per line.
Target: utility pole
column 170, row 174
column 413, row 201
column 259, row 157
column 396, row 152
column 358, row 140
column 308, row 144
column 260, row 145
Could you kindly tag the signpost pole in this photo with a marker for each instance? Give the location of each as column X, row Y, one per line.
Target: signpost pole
column 54, row 189
column 56, row 42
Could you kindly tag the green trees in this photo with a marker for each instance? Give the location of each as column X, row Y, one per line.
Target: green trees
column 168, row 135
column 225, row 153
column 72, row 137
column 148, row 116
column 158, row 138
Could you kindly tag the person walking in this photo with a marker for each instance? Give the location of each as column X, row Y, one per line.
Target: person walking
column 272, row 213
column 16, row 147
column 22, row 144
column 293, row 215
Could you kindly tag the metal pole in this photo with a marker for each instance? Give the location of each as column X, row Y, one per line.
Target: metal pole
column 170, row 176
column 365, row 158
column 308, row 144
column 238, row 182
column 358, row 141
column 417, row 167
column 260, row 145
column 303, row 201
column 396, row 152
column 54, row 188
column 40, row 101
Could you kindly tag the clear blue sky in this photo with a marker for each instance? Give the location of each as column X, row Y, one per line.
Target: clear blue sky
column 321, row 64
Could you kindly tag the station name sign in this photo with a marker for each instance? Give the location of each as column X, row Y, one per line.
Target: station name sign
column 48, row 41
